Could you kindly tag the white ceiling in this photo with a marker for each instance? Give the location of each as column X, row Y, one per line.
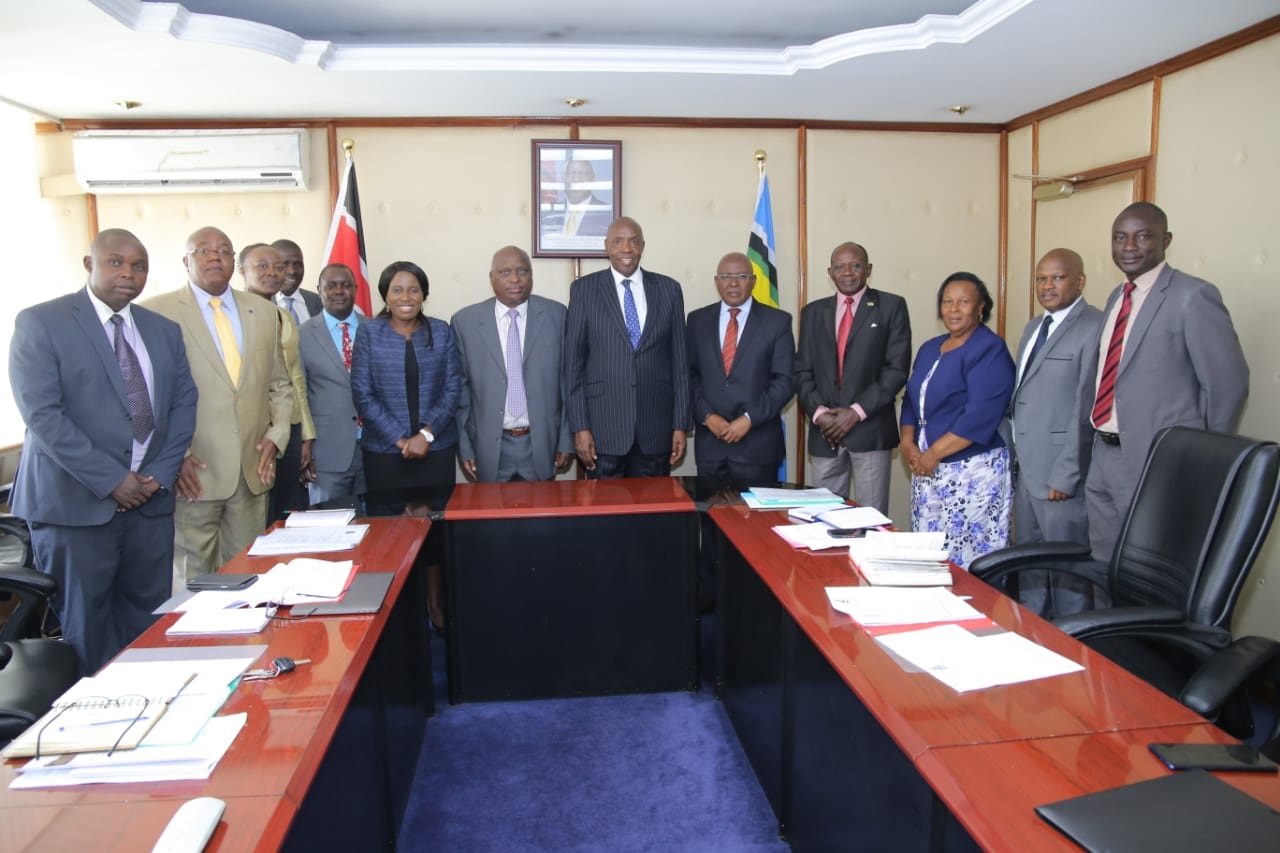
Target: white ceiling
column 841, row 60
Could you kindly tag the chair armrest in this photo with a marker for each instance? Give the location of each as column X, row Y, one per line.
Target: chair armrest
column 25, row 582
column 1223, row 674
column 1016, row 558
column 6, row 654
column 1114, row 621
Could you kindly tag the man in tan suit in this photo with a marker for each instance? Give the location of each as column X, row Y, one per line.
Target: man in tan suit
column 242, row 420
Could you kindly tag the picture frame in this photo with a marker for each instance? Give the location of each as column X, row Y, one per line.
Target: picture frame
column 570, row 217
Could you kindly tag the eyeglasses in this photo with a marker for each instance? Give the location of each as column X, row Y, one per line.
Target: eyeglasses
column 206, row 253
column 507, row 272
column 735, row 276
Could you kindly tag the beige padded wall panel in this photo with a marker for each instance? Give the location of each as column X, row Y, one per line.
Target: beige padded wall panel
column 923, row 204
column 1020, row 304
column 1112, row 130
column 1218, row 180
column 1083, row 222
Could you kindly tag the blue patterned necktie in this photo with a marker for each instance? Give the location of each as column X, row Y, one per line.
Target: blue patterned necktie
column 629, row 313
column 516, row 403
column 135, row 384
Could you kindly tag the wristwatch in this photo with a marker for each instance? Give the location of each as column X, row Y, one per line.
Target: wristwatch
column 427, row 434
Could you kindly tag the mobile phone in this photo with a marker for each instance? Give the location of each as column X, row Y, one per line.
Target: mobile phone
column 199, row 583
column 847, row 532
column 1212, row 756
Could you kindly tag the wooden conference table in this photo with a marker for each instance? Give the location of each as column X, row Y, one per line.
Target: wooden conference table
column 327, row 754
column 855, row 752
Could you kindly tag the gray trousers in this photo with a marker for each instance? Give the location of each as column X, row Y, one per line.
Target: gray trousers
column 870, row 471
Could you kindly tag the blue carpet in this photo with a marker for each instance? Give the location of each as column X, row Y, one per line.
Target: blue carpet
column 647, row 772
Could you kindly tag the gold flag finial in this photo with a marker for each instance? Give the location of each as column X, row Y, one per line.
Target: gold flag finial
column 347, row 145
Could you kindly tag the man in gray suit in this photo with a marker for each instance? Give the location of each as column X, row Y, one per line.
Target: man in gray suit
column 110, row 408
column 325, row 344
column 511, row 422
column 1049, row 427
column 1168, row 355
column 626, row 374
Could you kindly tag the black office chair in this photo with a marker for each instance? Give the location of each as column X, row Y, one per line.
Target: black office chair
column 1200, row 514
column 34, row 670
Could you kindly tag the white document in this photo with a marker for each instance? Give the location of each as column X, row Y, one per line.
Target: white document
column 813, row 536
column 320, row 518
column 194, row 760
column 773, row 498
column 853, row 517
column 964, row 661
column 810, row 512
column 242, row 620
column 887, row 605
column 308, row 540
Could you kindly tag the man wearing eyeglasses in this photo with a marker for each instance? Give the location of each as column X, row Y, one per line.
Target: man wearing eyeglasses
column 853, row 359
column 741, row 358
column 511, row 423
column 264, row 270
column 246, row 404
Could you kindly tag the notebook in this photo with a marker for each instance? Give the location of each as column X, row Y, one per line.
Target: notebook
column 1186, row 811
column 364, row 595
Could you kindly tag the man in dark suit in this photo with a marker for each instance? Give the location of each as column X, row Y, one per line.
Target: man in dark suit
column 1176, row 360
column 510, row 416
column 325, row 344
column 1048, row 432
column 104, row 389
column 854, row 357
column 626, row 373
column 741, row 360
column 302, row 304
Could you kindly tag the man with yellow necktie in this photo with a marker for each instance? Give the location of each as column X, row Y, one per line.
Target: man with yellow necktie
column 242, row 420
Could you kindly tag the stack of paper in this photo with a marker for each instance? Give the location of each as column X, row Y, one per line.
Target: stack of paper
column 759, row 497
column 815, row 536
column 320, row 518
column 243, row 620
column 853, row 517
column 902, row 559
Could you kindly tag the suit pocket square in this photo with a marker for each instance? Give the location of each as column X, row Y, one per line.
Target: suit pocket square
column 874, row 325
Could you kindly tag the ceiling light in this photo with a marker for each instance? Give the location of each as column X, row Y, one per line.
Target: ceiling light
column 127, row 105
column 574, row 103
column 959, row 109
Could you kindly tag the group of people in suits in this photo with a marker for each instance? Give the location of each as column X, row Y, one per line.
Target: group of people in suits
column 154, row 433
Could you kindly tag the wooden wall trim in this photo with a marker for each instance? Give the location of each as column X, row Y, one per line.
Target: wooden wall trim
column 1002, row 237
column 335, row 152
column 1212, row 50
column 802, row 282
column 1157, row 90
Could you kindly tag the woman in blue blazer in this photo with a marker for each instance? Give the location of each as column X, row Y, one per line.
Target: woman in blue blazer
column 405, row 382
column 956, row 397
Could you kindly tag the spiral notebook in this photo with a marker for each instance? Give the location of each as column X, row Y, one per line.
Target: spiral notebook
column 103, row 713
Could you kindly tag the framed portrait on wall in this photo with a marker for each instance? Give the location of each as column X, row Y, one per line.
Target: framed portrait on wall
column 577, row 193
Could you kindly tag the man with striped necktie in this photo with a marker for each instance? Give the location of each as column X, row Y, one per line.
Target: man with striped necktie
column 1168, row 355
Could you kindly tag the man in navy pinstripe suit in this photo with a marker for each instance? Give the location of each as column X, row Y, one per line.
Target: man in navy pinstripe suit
column 626, row 374
column 110, row 407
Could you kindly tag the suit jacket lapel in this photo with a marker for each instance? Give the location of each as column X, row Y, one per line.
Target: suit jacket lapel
column 609, row 293
column 325, row 341
column 533, row 327
column 1142, row 320
column 493, row 344
column 197, row 331
column 97, row 337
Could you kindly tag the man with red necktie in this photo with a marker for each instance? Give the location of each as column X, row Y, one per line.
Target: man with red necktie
column 853, row 359
column 1168, row 355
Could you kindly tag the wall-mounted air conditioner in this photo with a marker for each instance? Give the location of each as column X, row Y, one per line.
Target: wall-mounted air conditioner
column 191, row 161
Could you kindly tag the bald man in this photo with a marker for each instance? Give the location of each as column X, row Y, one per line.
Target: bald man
column 1049, row 425
column 246, row 404
column 104, row 389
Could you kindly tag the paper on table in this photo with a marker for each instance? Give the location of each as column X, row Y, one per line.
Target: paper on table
column 195, row 706
column 194, row 760
column 965, row 662
column 888, row 605
column 810, row 512
column 794, row 497
column 307, row 540
column 814, row 536
column 853, row 516
column 243, row 620
column 320, row 518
